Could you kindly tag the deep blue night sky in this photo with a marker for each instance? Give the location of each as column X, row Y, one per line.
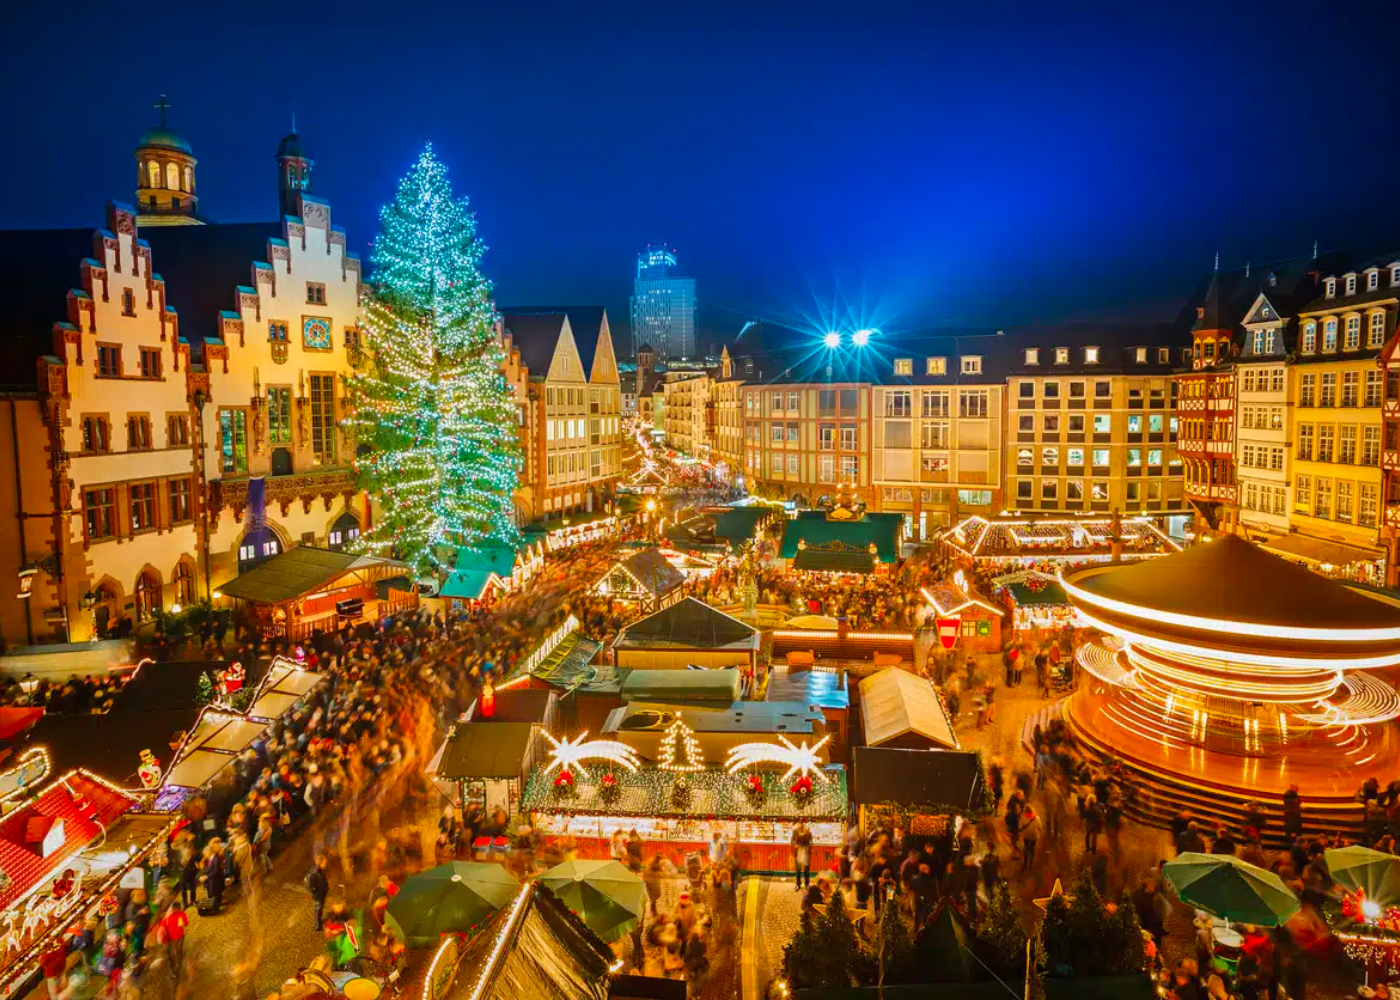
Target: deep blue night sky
column 970, row 162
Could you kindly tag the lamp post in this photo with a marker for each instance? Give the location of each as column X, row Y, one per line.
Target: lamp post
column 199, row 400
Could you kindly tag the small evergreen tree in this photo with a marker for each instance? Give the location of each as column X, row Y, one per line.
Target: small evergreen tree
column 1001, row 940
column 896, row 944
column 839, row 949
column 801, row 960
column 1082, row 937
column 204, row 689
column 1126, row 949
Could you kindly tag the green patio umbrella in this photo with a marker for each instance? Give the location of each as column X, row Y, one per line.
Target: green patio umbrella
column 609, row 898
column 456, row 896
column 1232, row 889
column 1375, row 872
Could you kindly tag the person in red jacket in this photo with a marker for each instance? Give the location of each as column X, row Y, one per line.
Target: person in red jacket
column 172, row 927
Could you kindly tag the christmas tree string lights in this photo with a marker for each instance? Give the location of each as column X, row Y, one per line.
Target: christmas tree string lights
column 680, row 750
column 433, row 405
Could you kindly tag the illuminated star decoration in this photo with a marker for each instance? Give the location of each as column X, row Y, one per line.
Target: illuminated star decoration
column 802, row 761
column 570, row 754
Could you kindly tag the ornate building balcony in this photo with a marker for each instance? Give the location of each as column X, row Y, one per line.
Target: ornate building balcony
column 283, row 491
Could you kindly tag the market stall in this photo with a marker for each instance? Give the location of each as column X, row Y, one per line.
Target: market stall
column 644, row 580
column 477, row 575
column 286, row 683
column 1027, row 540
column 486, row 763
column 209, row 750
column 590, row 789
column 1036, row 600
column 977, row 621
column 688, row 633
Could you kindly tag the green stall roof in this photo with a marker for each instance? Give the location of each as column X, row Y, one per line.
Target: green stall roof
column 679, row 686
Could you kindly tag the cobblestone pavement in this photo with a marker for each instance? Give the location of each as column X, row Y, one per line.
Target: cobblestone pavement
column 776, row 915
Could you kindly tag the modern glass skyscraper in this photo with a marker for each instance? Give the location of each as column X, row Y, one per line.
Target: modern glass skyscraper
column 663, row 305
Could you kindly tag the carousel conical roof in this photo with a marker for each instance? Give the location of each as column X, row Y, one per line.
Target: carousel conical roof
column 1233, row 580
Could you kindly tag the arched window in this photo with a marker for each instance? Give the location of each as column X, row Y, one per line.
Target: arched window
column 147, row 596
column 184, row 583
column 258, row 545
column 189, row 179
column 152, row 174
column 345, row 530
column 172, row 177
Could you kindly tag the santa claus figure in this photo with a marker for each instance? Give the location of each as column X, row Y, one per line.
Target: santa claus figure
column 233, row 678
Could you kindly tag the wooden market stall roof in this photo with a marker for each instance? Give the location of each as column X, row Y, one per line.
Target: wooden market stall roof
column 217, row 740
column 688, row 624
column 485, row 750
column 818, row 531
column 304, row 570
column 894, row 702
column 949, row 778
column 651, row 571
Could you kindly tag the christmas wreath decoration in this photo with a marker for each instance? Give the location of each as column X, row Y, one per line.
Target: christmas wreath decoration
column 753, row 788
column 680, row 791
column 564, row 782
column 609, row 789
column 802, row 789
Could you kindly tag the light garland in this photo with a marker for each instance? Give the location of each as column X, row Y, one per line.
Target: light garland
column 680, row 750
column 802, row 761
column 570, row 754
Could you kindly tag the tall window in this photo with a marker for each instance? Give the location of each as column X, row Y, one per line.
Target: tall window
column 935, row 402
column 1346, row 450
column 848, row 438
column 147, row 587
column 1370, row 503
column 143, row 506
column 897, row 404
column 1353, row 334
column 1373, row 388
column 1309, row 337
column 177, row 431
column 152, row 174
column 184, row 583
column 934, row 434
column 109, row 361
column 1305, row 441
column 138, row 432
column 150, row 362
column 1329, row 389
column 1325, row 433
column 128, row 302
column 100, row 512
column 172, row 177
column 1329, row 334
column 323, row 418
column 1376, row 337
column 826, row 468
column 1370, row 446
column 1322, row 507
column 1302, row 495
column 345, row 530
column 96, row 434
column 1345, row 492
column 826, row 437
column 1351, row 384
column 1307, row 390
column 279, row 414
column 179, row 491
column 233, row 441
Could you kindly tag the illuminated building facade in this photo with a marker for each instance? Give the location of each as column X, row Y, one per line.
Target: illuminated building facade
column 1090, row 423
column 663, row 305
column 727, row 406
column 1223, row 657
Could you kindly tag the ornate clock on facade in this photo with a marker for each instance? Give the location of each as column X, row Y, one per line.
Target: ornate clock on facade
column 316, row 333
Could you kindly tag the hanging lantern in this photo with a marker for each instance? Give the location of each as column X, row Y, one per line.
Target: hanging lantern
column 488, row 700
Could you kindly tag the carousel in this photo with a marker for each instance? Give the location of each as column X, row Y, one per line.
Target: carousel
column 1225, row 674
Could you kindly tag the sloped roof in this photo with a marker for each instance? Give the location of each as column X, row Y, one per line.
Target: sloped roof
column 23, row 862
column 739, row 524
column 934, row 777
column 486, row 750
column 1233, row 580
column 585, row 322
column 474, row 568
column 688, row 624
column 679, row 686
column 535, row 334
column 825, row 561
column 819, row 532
column 652, row 572
column 894, row 702
column 569, row 661
column 298, row 572
column 535, row 948
column 203, row 267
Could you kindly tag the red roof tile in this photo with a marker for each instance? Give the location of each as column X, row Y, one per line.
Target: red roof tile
column 21, row 861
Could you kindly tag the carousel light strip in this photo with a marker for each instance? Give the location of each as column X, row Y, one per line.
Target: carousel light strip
column 1370, row 700
column 1257, row 659
column 1233, row 627
column 1104, row 665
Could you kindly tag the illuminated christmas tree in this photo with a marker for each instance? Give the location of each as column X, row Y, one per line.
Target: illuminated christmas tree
column 433, row 405
column 680, row 750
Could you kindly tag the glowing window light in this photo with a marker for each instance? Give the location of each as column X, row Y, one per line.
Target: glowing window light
column 802, row 761
column 570, row 754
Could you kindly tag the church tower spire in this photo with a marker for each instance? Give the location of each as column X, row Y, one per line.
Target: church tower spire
column 293, row 172
column 165, row 191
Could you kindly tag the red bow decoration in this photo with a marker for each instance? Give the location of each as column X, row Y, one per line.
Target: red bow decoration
column 802, row 786
column 609, row 780
column 564, row 780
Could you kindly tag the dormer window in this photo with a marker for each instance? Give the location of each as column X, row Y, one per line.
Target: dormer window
column 1331, row 288
column 1395, row 275
column 1329, row 334
column 1091, row 355
column 1141, row 355
column 1273, row 280
column 1062, row 355
column 904, row 366
column 1164, row 355
column 972, row 364
column 1032, row 355
column 936, row 366
column 1373, row 279
column 1351, row 284
column 1309, row 337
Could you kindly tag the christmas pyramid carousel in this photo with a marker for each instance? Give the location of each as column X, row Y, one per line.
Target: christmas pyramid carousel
column 1226, row 671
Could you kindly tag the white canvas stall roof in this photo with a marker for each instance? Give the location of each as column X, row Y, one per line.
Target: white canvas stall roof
column 280, row 689
column 197, row 769
column 894, row 702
